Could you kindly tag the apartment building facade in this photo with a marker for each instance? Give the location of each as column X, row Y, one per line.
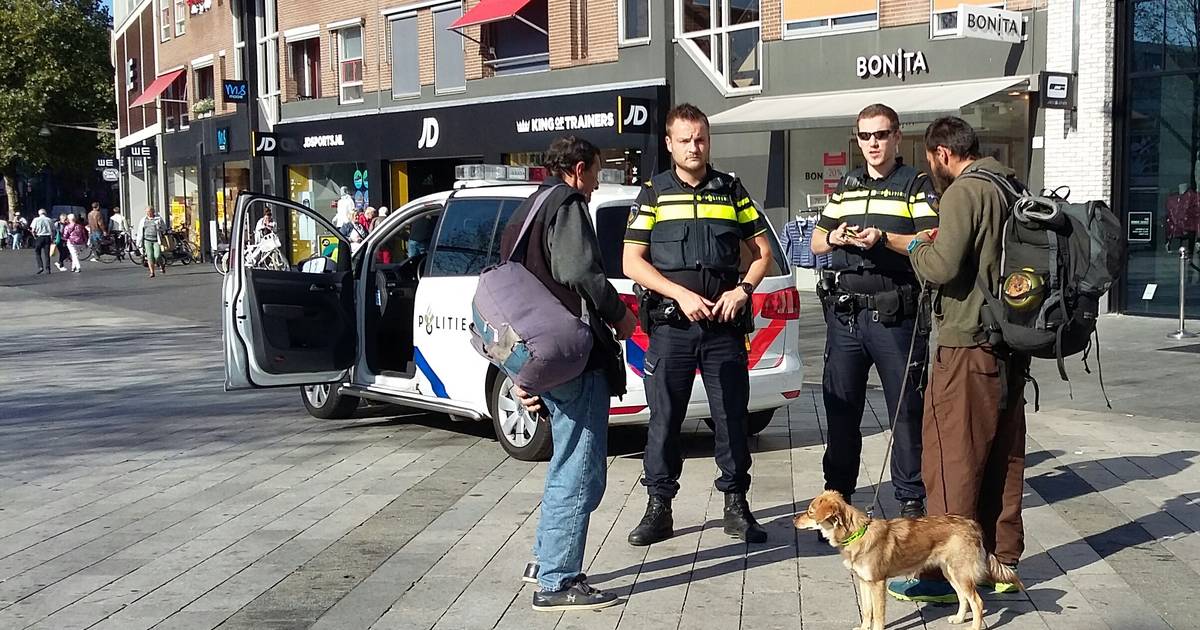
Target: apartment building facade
column 385, row 98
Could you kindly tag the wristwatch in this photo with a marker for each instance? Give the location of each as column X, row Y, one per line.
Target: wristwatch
column 882, row 242
column 747, row 287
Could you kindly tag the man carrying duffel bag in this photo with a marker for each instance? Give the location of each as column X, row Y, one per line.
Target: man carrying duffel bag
column 545, row 315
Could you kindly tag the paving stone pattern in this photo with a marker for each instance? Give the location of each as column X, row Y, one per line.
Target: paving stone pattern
column 135, row 493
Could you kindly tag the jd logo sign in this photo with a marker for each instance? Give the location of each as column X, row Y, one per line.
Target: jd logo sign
column 637, row 116
column 430, row 133
column 235, row 91
column 634, row 114
column 265, row 143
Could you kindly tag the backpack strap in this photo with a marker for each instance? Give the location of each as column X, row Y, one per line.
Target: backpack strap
column 538, row 202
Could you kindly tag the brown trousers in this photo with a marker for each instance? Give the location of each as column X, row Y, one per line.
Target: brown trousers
column 973, row 458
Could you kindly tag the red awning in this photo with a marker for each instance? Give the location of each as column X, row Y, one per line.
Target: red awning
column 156, row 88
column 489, row 11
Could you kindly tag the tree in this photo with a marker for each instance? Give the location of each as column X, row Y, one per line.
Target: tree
column 54, row 67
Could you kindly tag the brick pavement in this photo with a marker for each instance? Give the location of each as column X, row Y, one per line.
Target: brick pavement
column 147, row 497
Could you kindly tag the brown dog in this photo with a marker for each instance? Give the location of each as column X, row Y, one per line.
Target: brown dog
column 875, row 550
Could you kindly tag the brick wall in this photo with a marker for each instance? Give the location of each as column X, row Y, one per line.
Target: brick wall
column 1080, row 155
column 207, row 33
column 772, row 20
column 582, row 32
column 903, row 12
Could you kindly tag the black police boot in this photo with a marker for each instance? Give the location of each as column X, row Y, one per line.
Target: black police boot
column 912, row 508
column 739, row 522
column 657, row 525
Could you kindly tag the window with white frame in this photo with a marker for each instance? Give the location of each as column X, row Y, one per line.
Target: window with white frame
column 808, row 18
column 165, row 21
column 725, row 38
column 943, row 17
column 239, row 40
column 305, row 56
column 406, row 55
column 634, row 18
column 266, row 31
column 449, row 67
column 180, row 17
column 350, row 64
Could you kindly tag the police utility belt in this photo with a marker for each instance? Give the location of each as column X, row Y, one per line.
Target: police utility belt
column 655, row 309
column 886, row 307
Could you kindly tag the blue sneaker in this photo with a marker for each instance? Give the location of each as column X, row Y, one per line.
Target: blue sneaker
column 928, row 591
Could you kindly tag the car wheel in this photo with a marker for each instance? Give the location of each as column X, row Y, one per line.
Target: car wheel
column 522, row 436
column 756, row 421
column 326, row 401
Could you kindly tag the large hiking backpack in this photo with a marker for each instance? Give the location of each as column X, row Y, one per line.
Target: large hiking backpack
column 1058, row 259
column 521, row 327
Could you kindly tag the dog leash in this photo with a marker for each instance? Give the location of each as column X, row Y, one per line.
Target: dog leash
column 887, row 452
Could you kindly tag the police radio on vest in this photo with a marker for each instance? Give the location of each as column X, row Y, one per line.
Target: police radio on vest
column 902, row 63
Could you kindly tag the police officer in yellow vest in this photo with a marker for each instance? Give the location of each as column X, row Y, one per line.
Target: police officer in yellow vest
column 684, row 246
column 870, row 300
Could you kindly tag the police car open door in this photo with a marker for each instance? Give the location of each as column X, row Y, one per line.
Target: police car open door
column 288, row 300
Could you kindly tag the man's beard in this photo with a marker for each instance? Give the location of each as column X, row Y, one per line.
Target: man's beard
column 942, row 177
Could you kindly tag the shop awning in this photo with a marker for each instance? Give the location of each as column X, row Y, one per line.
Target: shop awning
column 489, row 11
column 914, row 103
column 157, row 87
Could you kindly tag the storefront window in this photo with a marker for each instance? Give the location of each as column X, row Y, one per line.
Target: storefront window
column 320, row 187
column 229, row 180
column 1162, row 156
column 183, row 193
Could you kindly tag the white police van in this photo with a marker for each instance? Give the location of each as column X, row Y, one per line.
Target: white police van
column 381, row 325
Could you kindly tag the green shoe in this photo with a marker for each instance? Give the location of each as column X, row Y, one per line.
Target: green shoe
column 928, row 591
column 1005, row 587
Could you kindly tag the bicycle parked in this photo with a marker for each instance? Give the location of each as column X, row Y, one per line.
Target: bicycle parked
column 176, row 248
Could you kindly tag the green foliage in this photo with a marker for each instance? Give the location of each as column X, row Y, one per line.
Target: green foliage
column 54, row 67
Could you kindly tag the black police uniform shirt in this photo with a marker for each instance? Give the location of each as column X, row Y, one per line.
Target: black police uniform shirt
column 895, row 204
column 695, row 233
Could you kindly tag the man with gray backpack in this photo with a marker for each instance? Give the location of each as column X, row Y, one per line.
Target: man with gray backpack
column 554, row 337
column 1016, row 276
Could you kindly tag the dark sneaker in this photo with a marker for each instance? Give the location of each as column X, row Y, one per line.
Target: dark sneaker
column 928, row 591
column 912, row 508
column 578, row 596
column 531, row 573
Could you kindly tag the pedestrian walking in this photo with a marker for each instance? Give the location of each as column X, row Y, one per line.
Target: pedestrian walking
column 76, row 236
column 60, row 244
column 869, row 297
column 561, row 249
column 686, row 233
column 18, row 232
column 97, row 225
column 973, row 458
column 42, row 229
column 149, row 233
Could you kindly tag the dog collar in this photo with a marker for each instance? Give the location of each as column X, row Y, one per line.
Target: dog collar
column 856, row 535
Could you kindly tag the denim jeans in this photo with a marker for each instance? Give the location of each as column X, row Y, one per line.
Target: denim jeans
column 576, row 477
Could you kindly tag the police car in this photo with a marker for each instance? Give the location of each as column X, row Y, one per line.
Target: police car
column 372, row 322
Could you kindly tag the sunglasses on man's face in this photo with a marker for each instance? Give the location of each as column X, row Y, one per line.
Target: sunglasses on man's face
column 882, row 134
